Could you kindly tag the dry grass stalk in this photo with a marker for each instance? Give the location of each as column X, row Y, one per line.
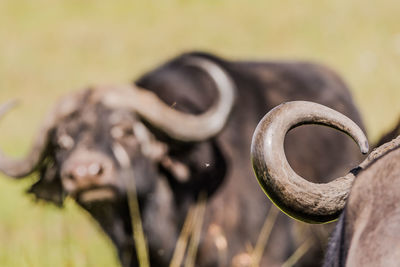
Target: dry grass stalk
column 292, row 260
column 192, row 226
column 181, row 244
column 197, row 226
column 138, row 234
column 264, row 236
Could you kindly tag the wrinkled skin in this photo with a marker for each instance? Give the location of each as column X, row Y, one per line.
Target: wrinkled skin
column 169, row 182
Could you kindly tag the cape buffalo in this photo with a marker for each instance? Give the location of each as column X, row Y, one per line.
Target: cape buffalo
column 183, row 131
column 369, row 217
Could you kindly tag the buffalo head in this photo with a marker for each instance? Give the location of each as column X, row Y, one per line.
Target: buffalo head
column 94, row 142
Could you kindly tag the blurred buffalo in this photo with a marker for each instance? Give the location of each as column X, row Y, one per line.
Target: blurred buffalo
column 179, row 134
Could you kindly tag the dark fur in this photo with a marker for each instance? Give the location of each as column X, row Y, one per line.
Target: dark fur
column 219, row 166
column 335, row 255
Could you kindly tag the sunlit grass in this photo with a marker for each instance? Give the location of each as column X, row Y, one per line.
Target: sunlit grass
column 48, row 48
column 35, row 234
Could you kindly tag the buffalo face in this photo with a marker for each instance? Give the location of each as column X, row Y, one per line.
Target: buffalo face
column 92, row 156
column 81, row 162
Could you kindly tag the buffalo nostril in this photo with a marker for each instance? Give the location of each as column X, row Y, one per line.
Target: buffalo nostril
column 81, row 171
column 70, row 176
column 95, row 169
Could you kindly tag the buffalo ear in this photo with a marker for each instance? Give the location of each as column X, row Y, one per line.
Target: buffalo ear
column 199, row 168
column 175, row 168
column 49, row 187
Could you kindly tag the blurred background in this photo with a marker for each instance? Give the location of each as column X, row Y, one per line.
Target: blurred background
column 49, row 48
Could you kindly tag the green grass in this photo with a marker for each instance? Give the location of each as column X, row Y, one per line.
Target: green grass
column 49, row 48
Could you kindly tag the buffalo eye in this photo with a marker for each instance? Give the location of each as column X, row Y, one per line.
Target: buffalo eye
column 65, row 142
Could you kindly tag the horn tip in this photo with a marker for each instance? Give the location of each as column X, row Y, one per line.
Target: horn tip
column 364, row 147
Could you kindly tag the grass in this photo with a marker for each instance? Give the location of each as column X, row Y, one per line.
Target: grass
column 48, row 48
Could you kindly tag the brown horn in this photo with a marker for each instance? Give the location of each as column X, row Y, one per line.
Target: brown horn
column 178, row 125
column 19, row 168
column 297, row 197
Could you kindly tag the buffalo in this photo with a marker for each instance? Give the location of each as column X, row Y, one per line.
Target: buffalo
column 365, row 200
column 177, row 141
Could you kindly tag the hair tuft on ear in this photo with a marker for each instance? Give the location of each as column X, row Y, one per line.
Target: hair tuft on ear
column 48, row 187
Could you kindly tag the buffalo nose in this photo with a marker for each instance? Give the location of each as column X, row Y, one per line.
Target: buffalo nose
column 84, row 174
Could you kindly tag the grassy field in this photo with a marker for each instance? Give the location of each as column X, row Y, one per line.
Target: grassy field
column 49, row 48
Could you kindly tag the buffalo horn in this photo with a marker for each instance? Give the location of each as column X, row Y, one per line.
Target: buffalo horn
column 21, row 167
column 179, row 125
column 297, row 197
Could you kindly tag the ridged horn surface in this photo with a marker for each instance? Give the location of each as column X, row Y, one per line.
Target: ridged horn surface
column 294, row 195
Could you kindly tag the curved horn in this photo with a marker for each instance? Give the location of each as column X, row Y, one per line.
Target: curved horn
column 22, row 167
column 178, row 125
column 297, row 197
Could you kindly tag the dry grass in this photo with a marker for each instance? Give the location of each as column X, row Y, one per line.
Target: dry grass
column 48, row 48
